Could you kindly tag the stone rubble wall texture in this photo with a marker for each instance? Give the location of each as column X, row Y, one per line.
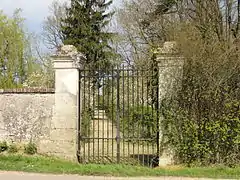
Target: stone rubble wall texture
column 42, row 116
column 25, row 116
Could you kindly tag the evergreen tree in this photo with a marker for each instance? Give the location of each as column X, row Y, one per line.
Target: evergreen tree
column 84, row 27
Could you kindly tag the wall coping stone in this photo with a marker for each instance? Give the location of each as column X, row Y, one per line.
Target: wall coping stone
column 36, row 90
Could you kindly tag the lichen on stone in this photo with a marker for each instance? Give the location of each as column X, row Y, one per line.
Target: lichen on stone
column 67, row 50
column 169, row 47
column 71, row 51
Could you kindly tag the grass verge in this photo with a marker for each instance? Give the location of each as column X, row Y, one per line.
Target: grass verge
column 39, row 164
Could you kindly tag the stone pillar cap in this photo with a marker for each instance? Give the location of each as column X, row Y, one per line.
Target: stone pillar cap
column 67, row 54
column 68, row 51
column 169, row 47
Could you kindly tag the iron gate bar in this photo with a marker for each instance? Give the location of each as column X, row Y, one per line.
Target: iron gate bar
column 127, row 139
column 123, row 95
column 102, row 104
column 142, row 95
column 79, row 117
column 152, row 105
column 157, row 108
column 108, row 99
column 84, row 107
column 93, row 89
column 118, row 116
column 133, row 106
column 98, row 76
column 114, row 76
column 89, row 103
column 133, row 92
column 148, row 112
column 137, row 109
column 112, row 111
column 128, row 118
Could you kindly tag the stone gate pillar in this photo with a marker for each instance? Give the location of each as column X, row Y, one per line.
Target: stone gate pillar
column 170, row 65
column 63, row 126
column 170, row 69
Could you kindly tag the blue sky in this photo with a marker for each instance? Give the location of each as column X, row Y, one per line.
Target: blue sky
column 34, row 11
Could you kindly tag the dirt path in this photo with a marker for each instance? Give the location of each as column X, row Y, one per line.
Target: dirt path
column 30, row 176
column 105, row 148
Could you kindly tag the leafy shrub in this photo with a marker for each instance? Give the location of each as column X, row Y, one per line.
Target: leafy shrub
column 202, row 116
column 139, row 122
column 136, row 122
column 203, row 128
column 30, row 148
column 3, row 146
column 13, row 148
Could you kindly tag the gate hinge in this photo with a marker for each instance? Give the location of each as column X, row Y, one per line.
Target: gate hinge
column 118, row 138
column 81, row 137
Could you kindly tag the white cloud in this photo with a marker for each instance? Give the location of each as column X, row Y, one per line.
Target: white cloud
column 34, row 11
column 31, row 8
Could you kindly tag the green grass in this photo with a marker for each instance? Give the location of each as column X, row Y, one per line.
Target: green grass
column 51, row 165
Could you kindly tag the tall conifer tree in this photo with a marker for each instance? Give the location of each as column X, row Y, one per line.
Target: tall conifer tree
column 85, row 28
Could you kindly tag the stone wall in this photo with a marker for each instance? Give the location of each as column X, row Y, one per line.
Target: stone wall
column 48, row 117
column 25, row 114
column 43, row 116
column 170, row 65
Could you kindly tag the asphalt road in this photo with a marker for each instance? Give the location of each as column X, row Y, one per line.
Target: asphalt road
column 29, row 176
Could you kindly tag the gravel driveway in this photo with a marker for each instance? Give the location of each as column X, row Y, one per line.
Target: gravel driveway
column 30, row 176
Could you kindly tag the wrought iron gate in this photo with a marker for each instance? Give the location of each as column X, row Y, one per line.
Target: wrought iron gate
column 118, row 116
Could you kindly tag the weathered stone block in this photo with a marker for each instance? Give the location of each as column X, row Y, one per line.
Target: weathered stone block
column 25, row 116
column 63, row 134
column 59, row 122
column 61, row 149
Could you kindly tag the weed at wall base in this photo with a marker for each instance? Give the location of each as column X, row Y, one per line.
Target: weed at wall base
column 3, row 146
column 30, row 148
column 13, row 149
